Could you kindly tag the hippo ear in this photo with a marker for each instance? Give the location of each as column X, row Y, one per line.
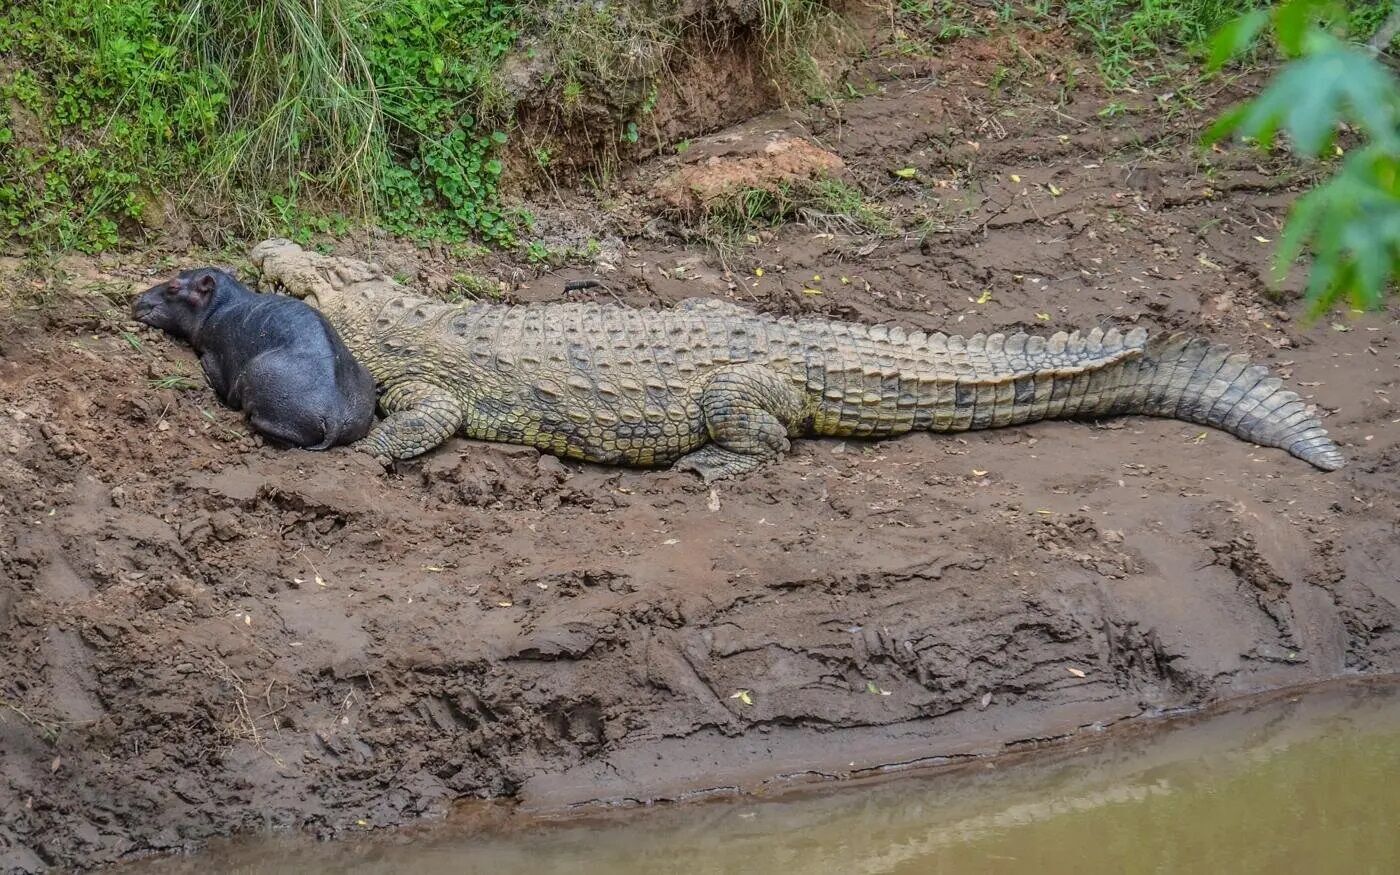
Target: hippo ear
column 201, row 291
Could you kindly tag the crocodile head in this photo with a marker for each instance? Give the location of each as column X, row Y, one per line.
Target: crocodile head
column 330, row 284
column 285, row 266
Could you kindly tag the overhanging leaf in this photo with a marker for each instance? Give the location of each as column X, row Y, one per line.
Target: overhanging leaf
column 1291, row 22
column 1301, row 222
column 1224, row 126
column 1373, row 263
column 1313, row 95
column 1351, row 223
column 1311, row 118
column 1235, row 37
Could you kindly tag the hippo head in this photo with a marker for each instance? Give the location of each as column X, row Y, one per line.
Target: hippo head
column 178, row 305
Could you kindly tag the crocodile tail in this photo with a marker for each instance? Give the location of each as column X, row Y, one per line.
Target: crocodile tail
column 1007, row 380
column 1192, row 379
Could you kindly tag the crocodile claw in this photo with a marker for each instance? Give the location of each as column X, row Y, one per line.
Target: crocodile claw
column 369, row 448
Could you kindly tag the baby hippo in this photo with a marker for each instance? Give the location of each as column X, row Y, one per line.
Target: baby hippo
column 274, row 357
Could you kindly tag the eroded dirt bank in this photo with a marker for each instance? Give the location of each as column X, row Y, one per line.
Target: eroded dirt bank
column 203, row 636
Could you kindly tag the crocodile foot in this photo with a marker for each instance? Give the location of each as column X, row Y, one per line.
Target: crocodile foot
column 374, row 451
column 713, row 462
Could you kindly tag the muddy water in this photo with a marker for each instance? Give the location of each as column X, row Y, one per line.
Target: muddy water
column 1302, row 784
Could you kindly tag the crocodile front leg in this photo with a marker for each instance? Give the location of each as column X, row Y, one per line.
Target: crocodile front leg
column 750, row 411
column 418, row 417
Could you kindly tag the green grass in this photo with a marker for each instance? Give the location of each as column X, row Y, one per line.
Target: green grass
column 470, row 287
column 1132, row 42
column 254, row 114
column 1124, row 34
column 175, row 382
column 795, row 33
column 598, row 44
column 829, row 205
column 1136, row 40
column 945, row 19
column 788, row 25
column 293, row 79
column 838, row 206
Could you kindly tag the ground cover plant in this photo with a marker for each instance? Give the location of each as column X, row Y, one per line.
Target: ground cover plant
column 270, row 109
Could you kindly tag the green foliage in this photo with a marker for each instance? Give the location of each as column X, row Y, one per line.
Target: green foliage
column 1351, row 223
column 73, row 159
column 540, row 253
column 1125, row 32
column 301, row 224
column 301, row 116
column 386, row 106
column 434, row 62
column 1128, row 35
column 470, row 287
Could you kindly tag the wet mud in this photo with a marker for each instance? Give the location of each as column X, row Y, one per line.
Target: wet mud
column 203, row 636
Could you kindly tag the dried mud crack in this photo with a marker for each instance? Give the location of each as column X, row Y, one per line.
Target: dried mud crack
column 202, row 636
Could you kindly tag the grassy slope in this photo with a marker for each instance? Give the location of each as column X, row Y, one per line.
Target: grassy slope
column 288, row 116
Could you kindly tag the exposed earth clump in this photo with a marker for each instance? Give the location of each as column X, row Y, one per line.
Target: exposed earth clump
column 711, row 175
column 204, row 636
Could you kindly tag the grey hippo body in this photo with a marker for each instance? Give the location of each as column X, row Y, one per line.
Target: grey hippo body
column 273, row 357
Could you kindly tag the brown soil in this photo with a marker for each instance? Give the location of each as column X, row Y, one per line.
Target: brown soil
column 204, row 636
column 682, row 68
column 704, row 180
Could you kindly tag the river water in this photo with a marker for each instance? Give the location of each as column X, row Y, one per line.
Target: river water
column 1306, row 784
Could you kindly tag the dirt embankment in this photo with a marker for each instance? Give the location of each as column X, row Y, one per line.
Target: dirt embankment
column 202, row 636
column 601, row 87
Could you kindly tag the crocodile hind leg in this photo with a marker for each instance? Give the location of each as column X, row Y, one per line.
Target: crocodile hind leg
column 419, row 417
column 749, row 413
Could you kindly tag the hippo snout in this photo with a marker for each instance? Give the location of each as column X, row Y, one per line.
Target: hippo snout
column 155, row 307
column 142, row 307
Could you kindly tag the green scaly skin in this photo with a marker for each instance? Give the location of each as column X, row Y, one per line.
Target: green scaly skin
column 717, row 389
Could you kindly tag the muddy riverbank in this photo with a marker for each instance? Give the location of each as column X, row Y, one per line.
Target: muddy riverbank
column 203, row 636
column 1197, row 793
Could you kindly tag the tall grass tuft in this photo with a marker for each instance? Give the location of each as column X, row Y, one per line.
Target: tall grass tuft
column 302, row 101
column 788, row 23
column 794, row 33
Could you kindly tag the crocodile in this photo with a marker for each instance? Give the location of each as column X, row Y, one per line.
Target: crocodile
column 715, row 388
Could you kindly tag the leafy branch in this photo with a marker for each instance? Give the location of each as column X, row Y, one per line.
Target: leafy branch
column 1350, row 223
